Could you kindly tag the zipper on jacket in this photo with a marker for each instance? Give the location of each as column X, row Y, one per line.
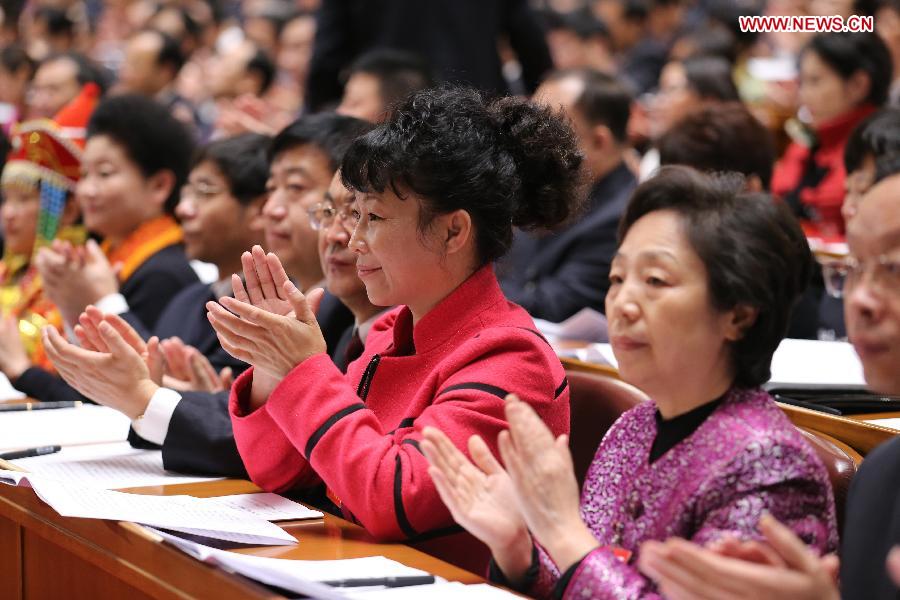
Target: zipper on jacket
column 363, row 390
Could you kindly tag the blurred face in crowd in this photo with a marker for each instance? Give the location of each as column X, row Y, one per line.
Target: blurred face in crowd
column 55, row 84
column 295, row 46
column 872, row 290
column 662, row 323
column 362, row 98
column 856, row 184
column 338, row 261
column 562, row 94
column 824, row 93
column 674, row 100
column 19, row 216
column 228, row 77
column 217, row 227
column 114, row 195
column 299, row 178
column 13, row 85
column 570, row 51
column 140, row 72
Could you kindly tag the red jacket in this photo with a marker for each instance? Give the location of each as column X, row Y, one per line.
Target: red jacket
column 359, row 433
column 815, row 177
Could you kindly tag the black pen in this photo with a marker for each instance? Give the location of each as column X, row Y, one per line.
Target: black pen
column 390, row 582
column 40, row 405
column 39, row 451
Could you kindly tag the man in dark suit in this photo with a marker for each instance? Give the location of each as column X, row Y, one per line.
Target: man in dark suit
column 553, row 276
column 457, row 39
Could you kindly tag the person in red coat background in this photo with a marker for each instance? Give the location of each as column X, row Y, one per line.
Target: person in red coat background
column 844, row 77
column 439, row 187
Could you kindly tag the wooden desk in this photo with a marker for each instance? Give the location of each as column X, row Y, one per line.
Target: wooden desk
column 44, row 555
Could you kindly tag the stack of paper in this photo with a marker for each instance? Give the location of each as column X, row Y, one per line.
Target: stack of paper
column 194, row 516
column 108, row 466
column 87, row 424
column 307, row 576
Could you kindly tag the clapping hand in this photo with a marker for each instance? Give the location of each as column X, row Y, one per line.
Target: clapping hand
column 75, row 276
column 110, row 367
column 480, row 497
column 542, row 474
column 782, row 567
column 269, row 324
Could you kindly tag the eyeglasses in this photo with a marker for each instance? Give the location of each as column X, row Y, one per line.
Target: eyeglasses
column 322, row 215
column 843, row 275
column 200, row 190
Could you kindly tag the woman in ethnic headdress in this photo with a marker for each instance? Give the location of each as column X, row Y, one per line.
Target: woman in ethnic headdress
column 38, row 182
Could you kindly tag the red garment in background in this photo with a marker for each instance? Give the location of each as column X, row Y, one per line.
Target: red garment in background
column 813, row 178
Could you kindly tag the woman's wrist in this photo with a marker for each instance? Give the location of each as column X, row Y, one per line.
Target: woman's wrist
column 514, row 556
column 570, row 545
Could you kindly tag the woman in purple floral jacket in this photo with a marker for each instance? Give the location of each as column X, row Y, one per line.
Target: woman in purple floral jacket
column 701, row 291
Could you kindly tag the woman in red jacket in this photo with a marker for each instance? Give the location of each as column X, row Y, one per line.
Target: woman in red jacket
column 439, row 187
column 844, row 77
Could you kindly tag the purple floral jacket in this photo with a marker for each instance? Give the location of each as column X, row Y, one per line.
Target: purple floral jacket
column 746, row 458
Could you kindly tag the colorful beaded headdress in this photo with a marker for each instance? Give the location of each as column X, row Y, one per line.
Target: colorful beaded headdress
column 47, row 154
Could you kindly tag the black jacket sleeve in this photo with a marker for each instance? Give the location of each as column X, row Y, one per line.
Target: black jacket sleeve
column 200, row 439
column 43, row 385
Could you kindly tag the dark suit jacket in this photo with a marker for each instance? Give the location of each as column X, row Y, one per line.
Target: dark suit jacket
column 872, row 526
column 148, row 291
column 200, row 438
column 554, row 276
column 458, row 38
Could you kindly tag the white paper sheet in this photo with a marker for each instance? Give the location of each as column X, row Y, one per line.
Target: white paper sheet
column 7, row 391
column 270, row 507
column 88, row 424
column 301, row 576
column 108, row 466
column 586, row 325
column 889, row 423
column 181, row 513
column 814, row 363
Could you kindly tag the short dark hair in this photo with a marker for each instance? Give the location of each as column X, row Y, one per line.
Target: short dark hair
column 261, row 64
column 86, row 70
column 581, row 22
column 878, row 136
column 151, row 137
column 848, row 53
column 399, row 73
column 170, row 53
column 710, row 77
column 712, row 38
column 14, row 58
column 753, row 248
column 720, row 137
column 57, row 20
column 243, row 161
column 329, row 132
column 507, row 163
column 603, row 101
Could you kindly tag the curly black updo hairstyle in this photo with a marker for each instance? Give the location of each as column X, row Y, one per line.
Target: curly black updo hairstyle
column 507, row 162
column 753, row 248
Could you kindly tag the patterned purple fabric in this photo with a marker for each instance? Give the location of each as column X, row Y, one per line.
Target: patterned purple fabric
column 745, row 459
